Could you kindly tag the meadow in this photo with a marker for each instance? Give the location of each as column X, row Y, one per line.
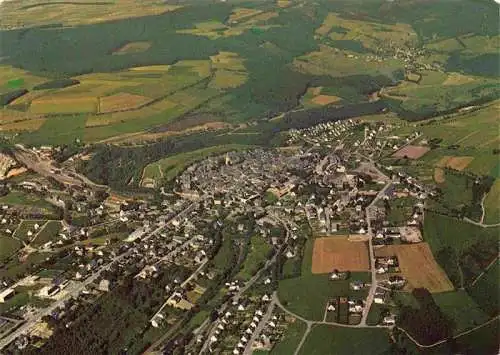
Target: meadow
column 8, row 246
column 492, row 205
column 453, row 304
column 48, row 232
column 327, row 339
column 258, row 253
column 486, row 290
column 291, row 338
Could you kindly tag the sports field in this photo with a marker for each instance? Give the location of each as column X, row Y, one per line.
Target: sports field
column 339, row 253
column 418, row 265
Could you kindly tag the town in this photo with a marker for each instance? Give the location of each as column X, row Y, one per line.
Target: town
column 233, row 226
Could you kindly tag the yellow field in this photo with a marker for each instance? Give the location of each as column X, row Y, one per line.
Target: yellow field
column 66, row 13
column 339, row 253
column 418, row 265
column 121, row 102
column 362, row 30
column 283, row 3
column 225, row 79
column 133, row 47
column 64, row 104
column 457, row 163
column 152, row 68
column 241, row 13
column 439, row 176
column 458, row 79
column 27, row 125
column 227, row 60
column 325, row 99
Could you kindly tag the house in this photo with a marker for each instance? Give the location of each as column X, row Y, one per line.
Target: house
column 396, row 281
column 389, row 320
column 6, row 294
column 339, row 275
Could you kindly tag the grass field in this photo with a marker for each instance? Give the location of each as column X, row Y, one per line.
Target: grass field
column 27, row 226
column 486, row 291
column 56, row 131
column 121, row 102
column 8, row 246
column 64, row 105
column 49, row 232
column 257, row 255
column 417, row 264
column 461, row 308
column 331, row 340
column 291, row 338
column 492, row 204
column 339, row 253
column 308, row 294
column 442, row 231
column 19, row 198
column 32, row 13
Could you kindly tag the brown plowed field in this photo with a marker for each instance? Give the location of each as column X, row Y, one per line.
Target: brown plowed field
column 418, row 265
column 411, row 152
column 457, row 163
column 339, row 253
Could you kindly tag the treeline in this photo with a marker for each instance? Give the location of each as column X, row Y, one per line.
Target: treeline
column 7, row 98
column 115, row 321
column 427, row 324
column 56, row 84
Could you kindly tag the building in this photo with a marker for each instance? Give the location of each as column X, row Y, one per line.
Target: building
column 6, row 294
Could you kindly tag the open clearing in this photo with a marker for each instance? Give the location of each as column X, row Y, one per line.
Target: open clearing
column 339, row 253
column 68, row 104
column 418, row 265
column 332, row 340
column 325, row 99
column 121, row 102
column 439, row 175
column 411, row 152
column 456, row 163
column 492, row 204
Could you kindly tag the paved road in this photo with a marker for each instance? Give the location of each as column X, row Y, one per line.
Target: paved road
column 76, row 288
column 373, row 287
column 260, row 327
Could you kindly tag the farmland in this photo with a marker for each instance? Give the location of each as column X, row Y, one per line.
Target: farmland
column 339, row 253
column 492, row 205
column 326, row 340
column 296, row 293
column 453, row 304
column 418, row 266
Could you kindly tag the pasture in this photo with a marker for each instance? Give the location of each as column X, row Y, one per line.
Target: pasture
column 258, row 252
column 26, row 227
column 56, row 130
column 48, row 232
column 454, row 303
column 8, row 246
column 486, row 291
column 418, row 265
column 332, row 340
column 291, row 338
column 492, row 204
column 339, row 253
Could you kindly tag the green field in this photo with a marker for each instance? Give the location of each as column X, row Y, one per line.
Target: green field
column 327, row 339
column 18, row 198
column 492, row 204
column 8, row 246
column 486, row 291
column 308, row 294
column 258, row 252
column 49, row 232
column 56, row 131
column 461, row 308
column 291, row 338
column 26, row 226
